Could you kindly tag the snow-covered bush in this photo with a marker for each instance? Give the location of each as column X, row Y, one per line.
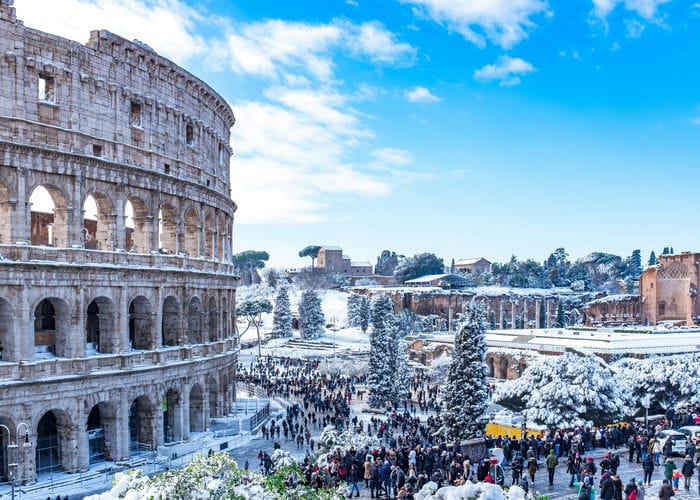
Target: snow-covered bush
column 566, row 391
column 331, row 440
column 470, row 491
column 437, row 373
column 213, row 477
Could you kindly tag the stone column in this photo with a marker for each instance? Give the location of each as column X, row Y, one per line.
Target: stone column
column 122, row 438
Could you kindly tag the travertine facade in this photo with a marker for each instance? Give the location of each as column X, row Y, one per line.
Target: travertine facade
column 116, row 329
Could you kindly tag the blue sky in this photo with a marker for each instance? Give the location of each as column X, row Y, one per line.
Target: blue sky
column 463, row 128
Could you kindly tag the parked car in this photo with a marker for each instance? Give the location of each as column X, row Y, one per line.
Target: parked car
column 692, row 432
column 678, row 441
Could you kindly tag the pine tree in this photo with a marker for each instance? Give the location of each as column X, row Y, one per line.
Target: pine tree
column 561, row 315
column 465, row 396
column 381, row 374
column 543, row 314
column 634, row 266
column 652, row 259
column 354, row 309
column 365, row 313
column 282, row 317
column 311, row 315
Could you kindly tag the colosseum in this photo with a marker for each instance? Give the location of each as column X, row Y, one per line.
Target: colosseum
column 117, row 295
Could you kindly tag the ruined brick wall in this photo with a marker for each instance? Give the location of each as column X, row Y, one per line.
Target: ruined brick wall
column 670, row 289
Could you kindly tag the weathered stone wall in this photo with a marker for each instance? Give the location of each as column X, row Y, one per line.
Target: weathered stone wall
column 118, row 330
column 670, row 289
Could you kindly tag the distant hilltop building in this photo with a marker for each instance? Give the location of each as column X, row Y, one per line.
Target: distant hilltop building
column 117, row 326
column 332, row 259
column 478, row 264
column 670, row 288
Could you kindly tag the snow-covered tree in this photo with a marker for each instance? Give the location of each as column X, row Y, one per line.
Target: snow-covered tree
column 437, row 373
column 252, row 309
column 465, row 395
column 365, row 313
column 561, row 315
column 282, row 317
column 652, row 259
column 567, row 390
column 353, row 308
column 668, row 381
column 492, row 319
column 311, row 315
column 543, row 314
column 381, row 373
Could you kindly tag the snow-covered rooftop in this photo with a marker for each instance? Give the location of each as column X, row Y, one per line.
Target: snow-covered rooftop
column 467, row 262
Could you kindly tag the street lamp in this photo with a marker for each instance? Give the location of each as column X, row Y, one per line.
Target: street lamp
column 13, row 458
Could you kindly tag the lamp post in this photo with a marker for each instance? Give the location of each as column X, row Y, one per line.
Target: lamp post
column 13, row 460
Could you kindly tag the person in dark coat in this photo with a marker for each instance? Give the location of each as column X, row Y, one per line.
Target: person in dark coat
column 687, row 469
column 666, row 491
column 607, row 488
column 648, row 467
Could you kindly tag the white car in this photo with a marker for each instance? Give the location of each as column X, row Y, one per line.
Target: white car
column 678, row 441
column 691, row 431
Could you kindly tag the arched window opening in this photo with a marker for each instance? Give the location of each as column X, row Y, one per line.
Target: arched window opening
column 137, row 221
column 51, row 328
column 96, row 436
column 213, row 398
column 194, row 321
column 196, row 409
column 170, row 325
column 140, row 426
column 101, row 334
column 43, row 210
column 172, row 423
column 192, row 233
column 167, row 230
column 213, row 320
column 140, row 324
column 48, row 452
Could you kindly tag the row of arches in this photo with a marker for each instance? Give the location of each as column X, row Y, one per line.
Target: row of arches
column 103, row 433
column 164, row 225
column 56, row 334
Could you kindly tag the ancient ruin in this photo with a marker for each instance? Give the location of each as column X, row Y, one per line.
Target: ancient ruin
column 117, row 296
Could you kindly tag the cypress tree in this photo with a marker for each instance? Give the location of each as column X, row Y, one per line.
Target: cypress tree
column 652, row 259
column 365, row 312
column 465, row 395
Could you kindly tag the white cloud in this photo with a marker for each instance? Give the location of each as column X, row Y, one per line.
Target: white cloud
column 695, row 120
column 644, row 8
column 503, row 22
column 506, row 70
column 422, row 95
column 267, row 48
column 634, row 28
column 169, row 26
column 393, row 156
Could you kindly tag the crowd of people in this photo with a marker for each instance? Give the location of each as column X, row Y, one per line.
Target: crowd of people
column 413, row 452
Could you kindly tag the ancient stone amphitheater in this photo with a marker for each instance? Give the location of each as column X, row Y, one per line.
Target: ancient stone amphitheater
column 117, row 296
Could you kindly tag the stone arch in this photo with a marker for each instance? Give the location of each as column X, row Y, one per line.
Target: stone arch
column 196, row 409
column 490, row 363
column 54, row 433
column 141, row 324
column 213, row 320
column 101, row 333
column 6, row 331
column 6, row 207
column 136, row 225
column 101, row 428
column 192, row 229
column 49, row 216
column 167, row 229
column 503, row 368
column 209, row 236
column 5, row 440
column 170, row 324
column 194, row 321
column 141, row 426
column 98, row 222
column 172, row 417
column 213, row 390
column 52, row 327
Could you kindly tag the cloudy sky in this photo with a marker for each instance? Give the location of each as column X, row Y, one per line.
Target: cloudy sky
column 460, row 127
